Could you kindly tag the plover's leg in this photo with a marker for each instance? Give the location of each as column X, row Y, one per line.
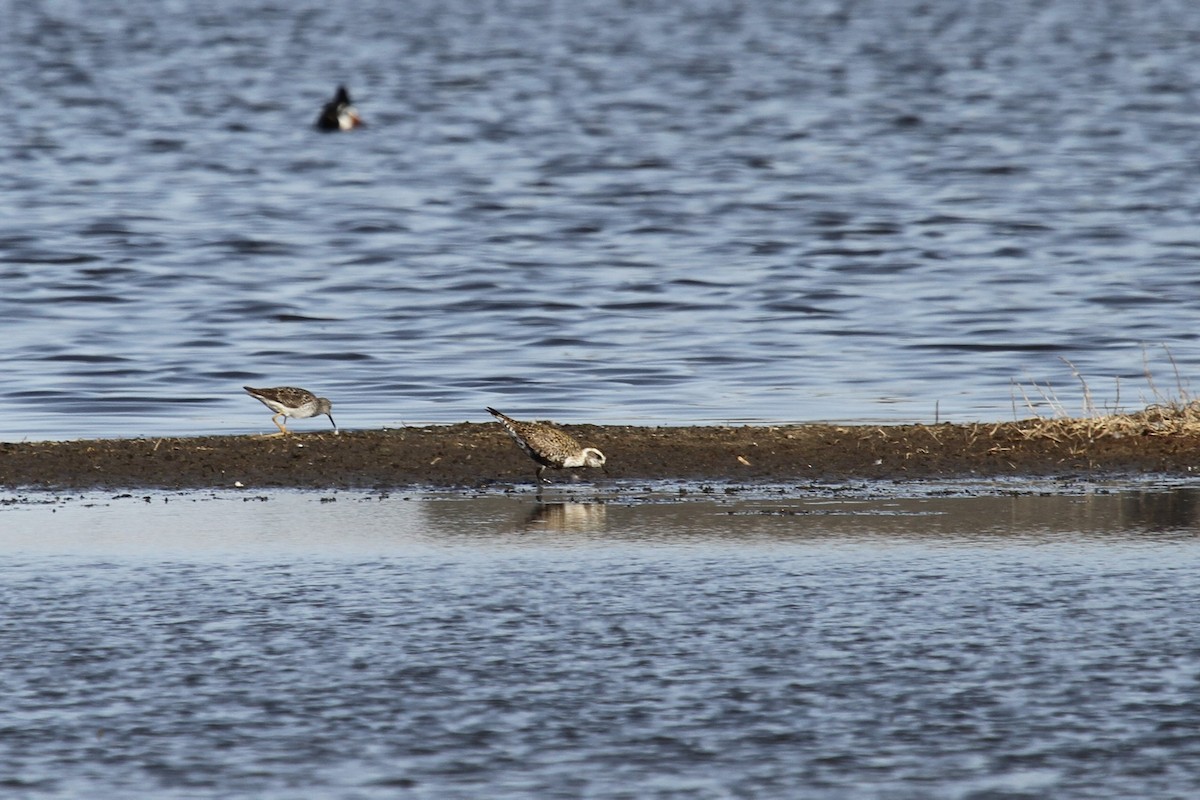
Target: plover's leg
column 281, row 425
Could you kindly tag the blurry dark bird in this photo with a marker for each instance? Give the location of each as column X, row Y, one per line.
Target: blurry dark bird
column 339, row 114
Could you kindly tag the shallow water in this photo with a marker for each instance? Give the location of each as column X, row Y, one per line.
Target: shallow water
column 357, row 646
column 602, row 211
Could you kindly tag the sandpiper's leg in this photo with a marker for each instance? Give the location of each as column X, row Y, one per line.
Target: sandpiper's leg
column 281, row 425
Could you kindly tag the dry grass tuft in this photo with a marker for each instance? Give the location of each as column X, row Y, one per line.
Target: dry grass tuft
column 1176, row 414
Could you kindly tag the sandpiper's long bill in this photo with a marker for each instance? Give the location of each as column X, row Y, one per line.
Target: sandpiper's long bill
column 290, row 401
column 549, row 446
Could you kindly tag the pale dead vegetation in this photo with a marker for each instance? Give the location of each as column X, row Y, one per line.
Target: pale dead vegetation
column 1173, row 413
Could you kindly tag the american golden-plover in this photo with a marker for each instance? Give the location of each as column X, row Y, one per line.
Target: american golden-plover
column 549, row 446
column 339, row 114
column 288, row 401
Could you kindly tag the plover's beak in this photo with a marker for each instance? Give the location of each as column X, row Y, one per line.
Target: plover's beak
column 334, row 424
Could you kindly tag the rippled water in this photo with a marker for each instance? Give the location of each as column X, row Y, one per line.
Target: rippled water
column 363, row 646
column 664, row 212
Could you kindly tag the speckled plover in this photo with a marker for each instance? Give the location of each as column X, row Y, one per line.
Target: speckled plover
column 549, row 446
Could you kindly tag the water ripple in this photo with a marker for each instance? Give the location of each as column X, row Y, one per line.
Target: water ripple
column 776, row 205
column 161, row 645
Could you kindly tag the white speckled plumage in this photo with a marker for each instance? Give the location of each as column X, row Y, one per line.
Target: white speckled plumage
column 549, row 446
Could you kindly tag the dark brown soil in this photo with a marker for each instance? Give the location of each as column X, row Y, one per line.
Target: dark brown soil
column 480, row 455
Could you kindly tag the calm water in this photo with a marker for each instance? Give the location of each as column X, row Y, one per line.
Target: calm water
column 656, row 212
column 353, row 646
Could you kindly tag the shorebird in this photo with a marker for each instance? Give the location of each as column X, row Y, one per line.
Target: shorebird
column 288, row 401
column 548, row 446
column 339, row 114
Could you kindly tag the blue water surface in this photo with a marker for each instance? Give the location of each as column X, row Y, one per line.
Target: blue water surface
column 366, row 646
column 601, row 211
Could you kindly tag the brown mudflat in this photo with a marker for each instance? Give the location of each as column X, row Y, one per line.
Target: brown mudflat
column 482, row 455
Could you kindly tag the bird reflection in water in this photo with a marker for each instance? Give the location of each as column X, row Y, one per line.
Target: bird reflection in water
column 567, row 517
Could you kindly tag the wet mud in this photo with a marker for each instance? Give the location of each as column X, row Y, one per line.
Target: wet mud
column 471, row 455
